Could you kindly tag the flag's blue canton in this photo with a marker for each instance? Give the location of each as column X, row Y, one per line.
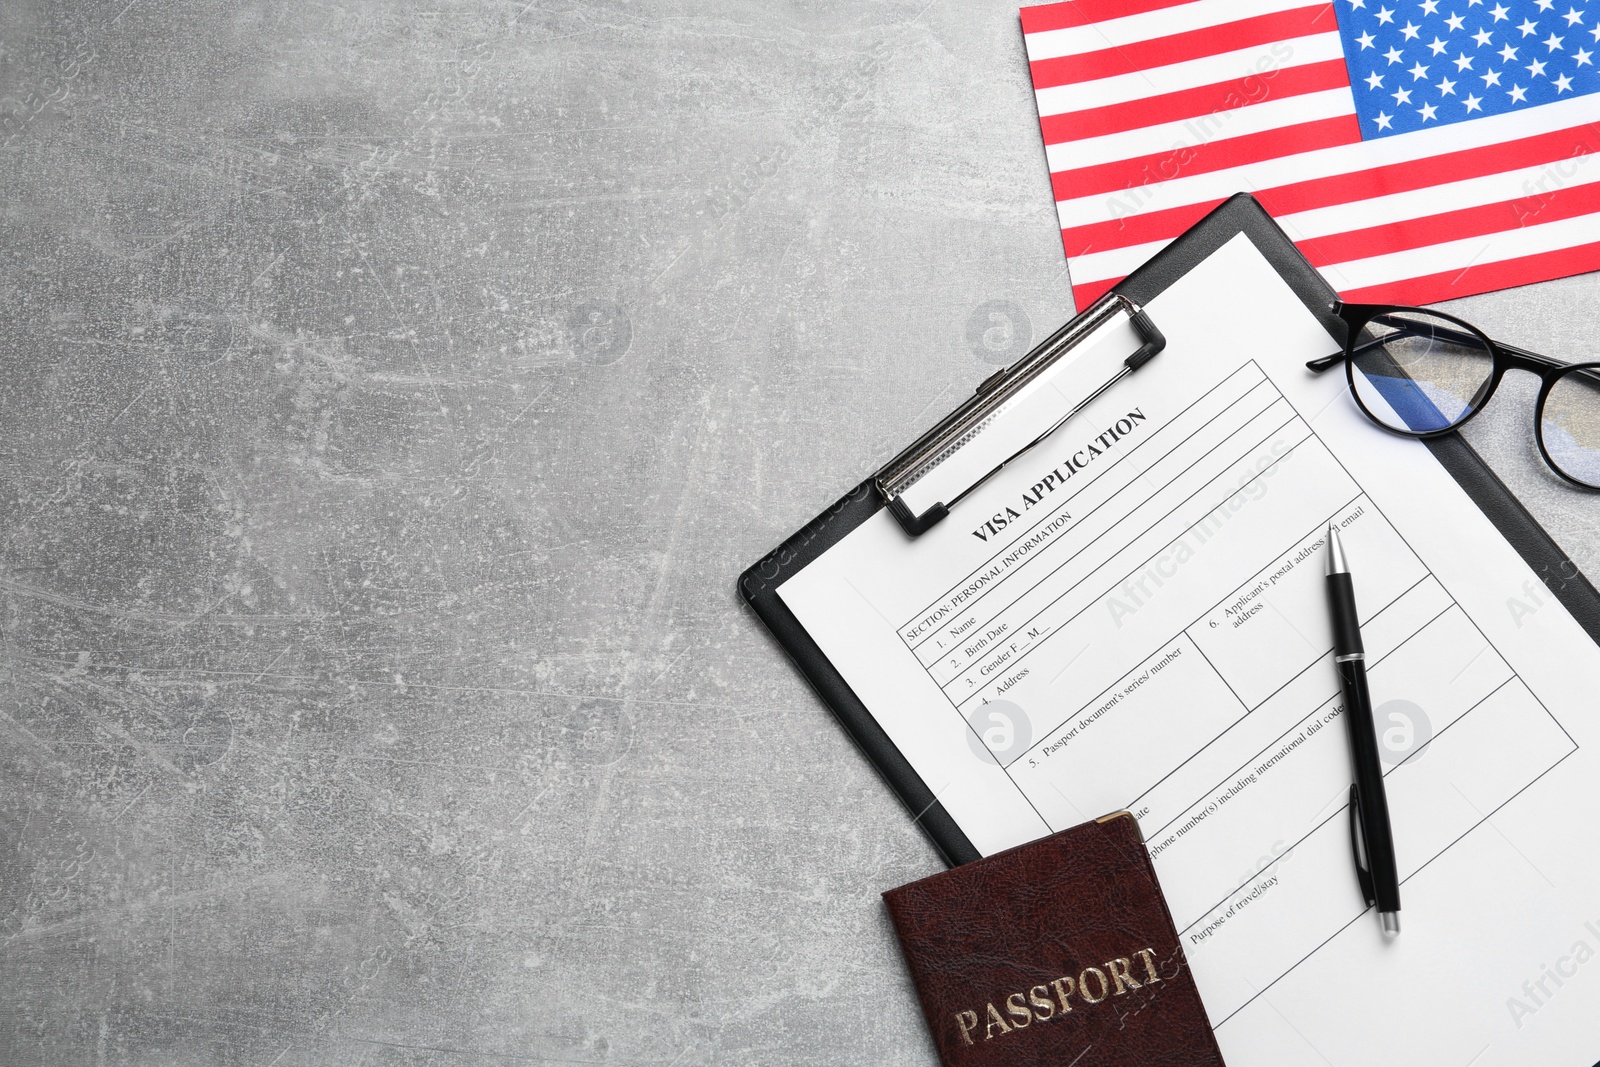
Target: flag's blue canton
column 1416, row 64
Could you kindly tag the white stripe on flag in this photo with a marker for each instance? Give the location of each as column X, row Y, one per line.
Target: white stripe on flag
column 1115, row 263
column 1340, row 159
column 1147, row 25
column 1190, row 74
column 1204, row 129
column 1512, row 185
column 1465, row 253
column 1529, row 183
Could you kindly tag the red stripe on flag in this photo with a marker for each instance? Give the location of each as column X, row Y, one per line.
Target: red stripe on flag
column 1181, row 47
column 1189, row 103
column 1476, row 221
column 1140, row 227
column 1446, row 226
column 1089, row 292
column 1432, row 170
column 1083, row 12
column 1134, row 229
column 1478, row 278
column 1128, row 174
column 1444, row 285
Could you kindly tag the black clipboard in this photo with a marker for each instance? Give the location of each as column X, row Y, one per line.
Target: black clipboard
column 1239, row 214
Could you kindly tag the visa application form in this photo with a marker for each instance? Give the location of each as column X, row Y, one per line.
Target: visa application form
column 1133, row 616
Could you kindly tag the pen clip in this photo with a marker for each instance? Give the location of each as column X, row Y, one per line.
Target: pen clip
column 1358, row 846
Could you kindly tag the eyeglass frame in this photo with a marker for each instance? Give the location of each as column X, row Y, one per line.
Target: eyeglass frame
column 1503, row 357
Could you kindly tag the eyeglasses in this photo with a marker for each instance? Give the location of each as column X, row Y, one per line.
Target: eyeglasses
column 1423, row 373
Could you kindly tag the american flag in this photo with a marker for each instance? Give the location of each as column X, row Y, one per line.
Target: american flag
column 1415, row 150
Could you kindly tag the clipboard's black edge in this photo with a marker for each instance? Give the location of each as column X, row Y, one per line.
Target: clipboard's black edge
column 1240, row 213
column 1560, row 575
column 758, row 586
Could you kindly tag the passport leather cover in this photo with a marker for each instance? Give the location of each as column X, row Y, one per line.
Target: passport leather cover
column 1058, row 952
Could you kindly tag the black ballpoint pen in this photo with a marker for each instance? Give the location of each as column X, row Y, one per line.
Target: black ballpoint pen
column 1370, row 836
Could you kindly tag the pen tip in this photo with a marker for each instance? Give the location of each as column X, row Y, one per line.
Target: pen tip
column 1390, row 921
column 1336, row 561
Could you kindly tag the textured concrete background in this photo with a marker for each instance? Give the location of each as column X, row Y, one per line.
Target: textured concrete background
column 391, row 394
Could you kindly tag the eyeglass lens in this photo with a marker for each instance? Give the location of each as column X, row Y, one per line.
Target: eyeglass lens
column 1425, row 372
column 1569, row 425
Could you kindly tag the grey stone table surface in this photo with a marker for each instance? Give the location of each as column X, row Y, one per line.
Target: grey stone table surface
column 391, row 394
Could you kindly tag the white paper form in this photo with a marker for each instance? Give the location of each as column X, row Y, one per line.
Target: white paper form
column 1133, row 616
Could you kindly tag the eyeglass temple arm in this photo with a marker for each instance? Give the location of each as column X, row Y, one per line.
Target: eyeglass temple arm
column 1317, row 366
column 1532, row 357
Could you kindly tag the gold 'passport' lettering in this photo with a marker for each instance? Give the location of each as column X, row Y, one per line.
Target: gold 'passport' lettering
column 1091, row 985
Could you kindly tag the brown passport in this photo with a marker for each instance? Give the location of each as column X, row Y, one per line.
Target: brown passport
column 1058, row 952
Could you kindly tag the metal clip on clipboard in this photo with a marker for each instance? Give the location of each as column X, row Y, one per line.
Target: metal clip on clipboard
column 974, row 442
